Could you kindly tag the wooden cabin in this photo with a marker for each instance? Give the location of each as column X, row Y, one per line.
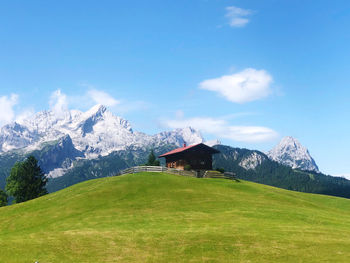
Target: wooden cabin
column 198, row 156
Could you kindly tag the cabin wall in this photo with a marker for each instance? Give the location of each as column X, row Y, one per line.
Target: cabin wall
column 176, row 161
column 197, row 160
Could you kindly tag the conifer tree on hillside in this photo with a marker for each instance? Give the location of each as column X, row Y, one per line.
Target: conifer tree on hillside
column 152, row 161
column 3, row 198
column 26, row 180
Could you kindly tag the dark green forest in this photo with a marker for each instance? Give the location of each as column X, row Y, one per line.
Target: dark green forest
column 272, row 173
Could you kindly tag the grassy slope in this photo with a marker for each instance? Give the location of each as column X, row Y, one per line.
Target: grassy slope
column 165, row 218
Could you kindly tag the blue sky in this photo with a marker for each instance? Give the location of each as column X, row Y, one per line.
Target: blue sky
column 245, row 72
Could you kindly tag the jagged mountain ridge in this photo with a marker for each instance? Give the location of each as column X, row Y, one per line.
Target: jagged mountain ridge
column 59, row 139
column 94, row 133
column 292, row 153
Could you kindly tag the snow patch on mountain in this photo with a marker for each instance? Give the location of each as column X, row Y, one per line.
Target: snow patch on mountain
column 290, row 152
column 58, row 172
column 251, row 161
column 14, row 136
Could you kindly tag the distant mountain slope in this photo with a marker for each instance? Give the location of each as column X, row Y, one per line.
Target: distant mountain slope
column 55, row 156
column 290, row 152
column 155, row 217
column 103, row 166
column 257, row 167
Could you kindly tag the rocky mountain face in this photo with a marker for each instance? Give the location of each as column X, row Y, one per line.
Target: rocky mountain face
column 96, row 132
column 14, row 136
column 290, row 152
column 60, row 141
column 57, row 157
column 239, row 160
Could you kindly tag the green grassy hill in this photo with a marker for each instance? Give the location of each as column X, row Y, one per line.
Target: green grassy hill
column 154, row 217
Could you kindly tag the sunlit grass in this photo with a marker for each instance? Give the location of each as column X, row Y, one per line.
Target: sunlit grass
column 153, row 217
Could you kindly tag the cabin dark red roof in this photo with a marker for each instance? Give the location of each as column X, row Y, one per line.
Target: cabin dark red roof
column 178, row 150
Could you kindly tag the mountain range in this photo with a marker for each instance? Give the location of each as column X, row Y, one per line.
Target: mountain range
column 96, row 132
column 75, row 146
column 74, row 135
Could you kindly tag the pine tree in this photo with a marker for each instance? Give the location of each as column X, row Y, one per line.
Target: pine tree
column 152, row 161
column 26, row 180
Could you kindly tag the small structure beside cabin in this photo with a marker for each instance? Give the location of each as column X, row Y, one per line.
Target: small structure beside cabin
column 198, row 157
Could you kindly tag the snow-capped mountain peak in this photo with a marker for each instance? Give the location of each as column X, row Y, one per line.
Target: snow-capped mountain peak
column 94, row 132
column 186, row 135
column 292, row 153
column 98, row 109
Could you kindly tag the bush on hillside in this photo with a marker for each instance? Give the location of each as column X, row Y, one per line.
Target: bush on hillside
column 221, row 170
column 187, row 167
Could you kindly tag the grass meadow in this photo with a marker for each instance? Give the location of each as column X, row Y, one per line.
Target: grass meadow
column 157, row 217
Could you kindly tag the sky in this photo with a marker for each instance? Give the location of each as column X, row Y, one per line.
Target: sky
column 245, row 72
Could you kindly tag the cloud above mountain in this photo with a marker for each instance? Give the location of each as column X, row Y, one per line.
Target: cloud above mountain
column 101, row 97
column 222, row 129
column 58, row 103
column 245, row 86
column 7, row 113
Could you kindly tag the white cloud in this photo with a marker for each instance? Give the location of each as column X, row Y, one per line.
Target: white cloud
column 250, row 134
column 101, row 97
column 238, row 17
column 7, row 113
column 245, row 86
column 222, row 129
column 58, row 103
column 24, row 115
